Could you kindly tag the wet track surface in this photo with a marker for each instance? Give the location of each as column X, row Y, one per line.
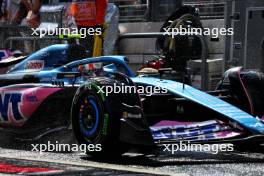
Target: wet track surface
column 181, row 163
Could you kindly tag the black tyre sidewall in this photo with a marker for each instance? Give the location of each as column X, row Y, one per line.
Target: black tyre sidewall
column 107, row 133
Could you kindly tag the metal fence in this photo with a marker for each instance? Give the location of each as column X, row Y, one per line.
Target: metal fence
column 214, row 9
column 132, row 10
column 159, row 10
column 16, row 37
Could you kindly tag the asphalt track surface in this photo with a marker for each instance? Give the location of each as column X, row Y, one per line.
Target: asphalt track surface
column 15, row 161
column 17, row 158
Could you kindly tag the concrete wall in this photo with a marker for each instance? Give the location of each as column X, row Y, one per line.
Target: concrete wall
column 244, row 48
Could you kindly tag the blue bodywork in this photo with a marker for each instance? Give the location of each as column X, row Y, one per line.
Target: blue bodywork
column 229, row 111
column 58, row 53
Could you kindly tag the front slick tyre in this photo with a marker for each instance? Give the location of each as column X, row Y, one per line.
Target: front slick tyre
column 95, row 124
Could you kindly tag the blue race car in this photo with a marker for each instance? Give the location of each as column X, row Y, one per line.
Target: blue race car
column 105, row 103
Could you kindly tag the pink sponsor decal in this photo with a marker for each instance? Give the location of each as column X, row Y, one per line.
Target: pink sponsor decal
column 18, row 104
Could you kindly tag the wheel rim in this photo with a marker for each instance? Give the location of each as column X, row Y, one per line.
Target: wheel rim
column 88, row 117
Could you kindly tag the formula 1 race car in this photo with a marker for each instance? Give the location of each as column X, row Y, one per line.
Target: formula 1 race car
column 105, row 103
